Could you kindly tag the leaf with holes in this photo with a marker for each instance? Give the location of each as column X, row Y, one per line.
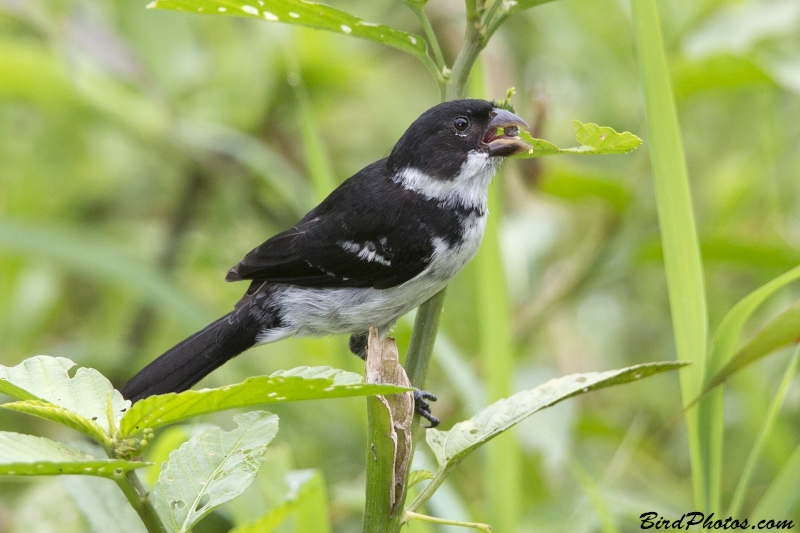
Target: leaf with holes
column 302, row 383
column 302, row 13
column 26, row 455
column 594, row 139
column 211, row 469
column 87, row 394
column 450, row 447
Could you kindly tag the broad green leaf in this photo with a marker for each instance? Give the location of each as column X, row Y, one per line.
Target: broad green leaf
column 302, row 383
column 450, row 447
column 168, row 441
column 26, row 455
column 604, row 140
column 87, row 394
column 211, row 469
column 781, row 331
column 306, row 496
column 301, row 13
column 103, row 504
column 594, row 139
column 63, row 416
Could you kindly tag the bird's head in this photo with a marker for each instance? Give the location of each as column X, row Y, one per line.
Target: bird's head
column 442, row 139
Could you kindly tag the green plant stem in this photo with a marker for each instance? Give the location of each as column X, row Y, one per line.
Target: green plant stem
column 474, row 43
column 761, row 439
column 420, row 348
column 134, row 491
column 380, row 451
column 433, row 41
column 682, row 262
column 378, row 517
column 425, row 518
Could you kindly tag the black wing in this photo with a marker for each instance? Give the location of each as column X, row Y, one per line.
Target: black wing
column 367, row 233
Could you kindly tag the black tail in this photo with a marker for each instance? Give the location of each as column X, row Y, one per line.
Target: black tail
column 194, row 358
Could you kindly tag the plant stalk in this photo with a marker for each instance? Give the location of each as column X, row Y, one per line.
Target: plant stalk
column 432, row 519
column 137, row 496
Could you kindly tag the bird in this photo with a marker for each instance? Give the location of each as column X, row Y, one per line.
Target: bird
column 382, row 243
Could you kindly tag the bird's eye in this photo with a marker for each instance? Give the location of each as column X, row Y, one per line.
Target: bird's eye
column 461, row 123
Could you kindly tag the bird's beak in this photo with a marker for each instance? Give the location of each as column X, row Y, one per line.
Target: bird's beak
column 507, row 143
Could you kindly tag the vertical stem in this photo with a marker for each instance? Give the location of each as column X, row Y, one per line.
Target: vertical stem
column 132, row 489
column 380, row 473
column 433, row 41
column 682, row 261
column 423, row 337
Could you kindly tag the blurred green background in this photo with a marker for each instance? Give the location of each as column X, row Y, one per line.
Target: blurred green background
column 143, row 153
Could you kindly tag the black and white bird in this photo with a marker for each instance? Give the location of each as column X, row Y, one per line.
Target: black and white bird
column 382, row 243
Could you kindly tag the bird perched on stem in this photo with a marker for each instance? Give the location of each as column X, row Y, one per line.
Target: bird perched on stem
column 382, row 243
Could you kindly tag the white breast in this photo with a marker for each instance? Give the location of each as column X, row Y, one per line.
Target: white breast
column 311, row 311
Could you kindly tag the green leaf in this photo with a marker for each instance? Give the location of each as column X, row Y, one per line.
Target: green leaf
column 418, row 476
column 301, row 13
column 450, row 447
column 302, row 383
column 103, row 504
column 87, row 394
column 211, row 469
column 515, row 6
column 727, row 335
column 63, row 416
column 682, row 262
column 26, row 455
column 594, row 139
column 605, row 140
column 781, row 331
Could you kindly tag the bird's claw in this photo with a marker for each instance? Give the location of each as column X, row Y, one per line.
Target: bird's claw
column 423, row 408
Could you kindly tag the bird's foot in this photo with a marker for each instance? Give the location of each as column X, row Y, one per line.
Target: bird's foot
column 423, row 408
